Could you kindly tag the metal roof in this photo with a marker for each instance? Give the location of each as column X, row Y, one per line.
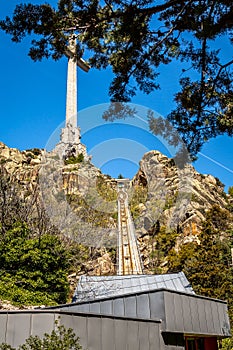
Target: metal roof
column 97, row 287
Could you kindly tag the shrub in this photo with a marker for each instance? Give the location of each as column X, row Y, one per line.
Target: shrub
column 59, row 339
column 74, row 160
column 230, row 191
column 33, row 268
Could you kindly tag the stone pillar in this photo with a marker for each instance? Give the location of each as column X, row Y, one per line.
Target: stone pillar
column 71, row 97
column 70, row 144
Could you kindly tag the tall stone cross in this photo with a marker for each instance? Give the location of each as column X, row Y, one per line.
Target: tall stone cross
column 71, row 97
column 71, row 92
column 70, row 135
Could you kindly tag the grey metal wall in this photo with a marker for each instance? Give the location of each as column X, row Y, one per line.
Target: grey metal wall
column 15, row 327
column 146, row 305
column 198, row 315
column 125, row 323
column 95, row 332
column 180, row 312
column 107, row 333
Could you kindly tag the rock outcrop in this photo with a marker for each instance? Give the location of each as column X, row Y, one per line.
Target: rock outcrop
column 176, row 198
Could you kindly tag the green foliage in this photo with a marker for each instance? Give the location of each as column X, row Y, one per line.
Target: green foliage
column 33, row 268
column 6, row 347
column 85, row 207
column 74, row 160
column 120, row 176
column 207, row 264
column 135, row 39
column 218, row 219
column 227, row 344
column 59, row 339
column 230, row 201
column 30, row 155
column 78, row 255
column 230, row 207
column 163, row 242
column 139, row 196
column 230, row 191
column 105, row 190
column 170, row 200
column 177, row 260
column 36, row 151
column 219, row 183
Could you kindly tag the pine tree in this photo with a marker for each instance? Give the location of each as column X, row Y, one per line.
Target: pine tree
column 136, row 38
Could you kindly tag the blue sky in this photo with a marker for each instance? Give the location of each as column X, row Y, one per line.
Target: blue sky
column 33, row 107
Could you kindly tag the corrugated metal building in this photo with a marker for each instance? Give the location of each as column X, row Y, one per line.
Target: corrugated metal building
column 129, row 312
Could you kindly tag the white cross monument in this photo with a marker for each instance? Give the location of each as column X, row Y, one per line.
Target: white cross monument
column 70, row 134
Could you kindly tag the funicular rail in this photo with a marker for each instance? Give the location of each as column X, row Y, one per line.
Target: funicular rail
column 129, row 261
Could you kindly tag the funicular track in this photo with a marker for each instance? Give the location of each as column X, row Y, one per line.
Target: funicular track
column 129, row 261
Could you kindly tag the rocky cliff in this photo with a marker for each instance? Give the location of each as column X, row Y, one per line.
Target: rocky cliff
column 172, row 200
column 81, row 201
column 177, row 198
